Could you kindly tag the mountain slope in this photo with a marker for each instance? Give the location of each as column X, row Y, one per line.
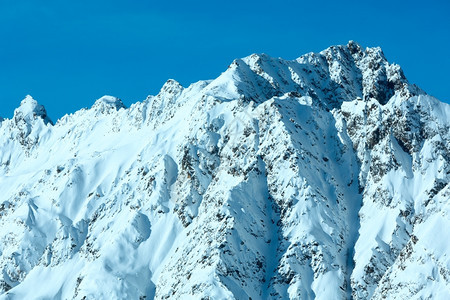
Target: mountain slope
column 322, row 177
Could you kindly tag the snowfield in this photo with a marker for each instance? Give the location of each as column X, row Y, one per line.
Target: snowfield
column 325, row 177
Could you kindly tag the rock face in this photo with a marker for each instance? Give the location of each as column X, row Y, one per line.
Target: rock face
column 324, row 177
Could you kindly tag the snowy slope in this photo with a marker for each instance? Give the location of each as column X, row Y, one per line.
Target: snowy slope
column 323, row 177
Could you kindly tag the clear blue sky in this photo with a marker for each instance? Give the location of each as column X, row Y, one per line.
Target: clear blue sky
column 66, row 54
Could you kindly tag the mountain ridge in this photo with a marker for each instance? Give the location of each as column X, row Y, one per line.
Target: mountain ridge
column 319, row 177
column 374, row 55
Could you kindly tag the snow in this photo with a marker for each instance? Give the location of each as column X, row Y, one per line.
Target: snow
column 323, row 177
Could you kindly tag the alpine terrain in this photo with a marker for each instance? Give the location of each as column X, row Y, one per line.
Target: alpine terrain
column 322, row 177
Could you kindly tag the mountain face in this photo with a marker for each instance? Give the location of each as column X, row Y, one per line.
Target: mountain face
column 323, row 177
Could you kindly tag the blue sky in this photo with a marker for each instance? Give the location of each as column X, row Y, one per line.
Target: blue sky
column 66, row 54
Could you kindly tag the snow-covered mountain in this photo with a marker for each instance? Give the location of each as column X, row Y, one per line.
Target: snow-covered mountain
column 323, row 177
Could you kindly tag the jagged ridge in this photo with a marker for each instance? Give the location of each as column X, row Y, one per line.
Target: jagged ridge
column 319, row 177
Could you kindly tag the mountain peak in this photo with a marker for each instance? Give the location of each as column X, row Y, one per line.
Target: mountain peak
column 256, row 58
column 168, row 95
column 30, row 110
column 110, row 100
column 107, row 103
column 337, row 74
column 172, row 87
column 354, row 47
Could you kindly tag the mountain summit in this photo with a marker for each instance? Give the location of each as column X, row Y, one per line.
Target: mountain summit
column 322, row 177
column 29, row 110
column 332, row 76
